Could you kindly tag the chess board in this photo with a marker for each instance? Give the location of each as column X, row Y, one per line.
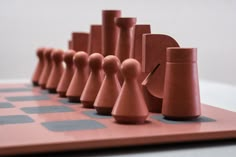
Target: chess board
column 34, row 121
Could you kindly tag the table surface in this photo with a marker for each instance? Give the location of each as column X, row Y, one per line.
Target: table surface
column 212, row 93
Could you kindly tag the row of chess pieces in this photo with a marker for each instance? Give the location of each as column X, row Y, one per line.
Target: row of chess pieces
column 102, row 70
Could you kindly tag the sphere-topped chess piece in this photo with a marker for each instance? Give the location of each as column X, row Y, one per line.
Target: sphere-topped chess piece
column 130, row 106
column 39, row 67
column 79, row 78
column 94, row 81
column 110, row 87
column 56, row 72
column 67, row 74
column 47, row 67
column 181, row 88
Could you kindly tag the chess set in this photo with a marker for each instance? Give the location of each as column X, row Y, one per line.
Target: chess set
column 118, row 85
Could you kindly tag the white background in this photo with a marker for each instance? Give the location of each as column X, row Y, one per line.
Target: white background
column 209, row 25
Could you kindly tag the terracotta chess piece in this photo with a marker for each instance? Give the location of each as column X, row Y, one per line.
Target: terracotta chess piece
column 94, row 81
column 39, row 67
column 110, row 87
column 70, row 44
column 109, row 31
column 154, row 55
column 136, row 53
column 47, row 68
column 125, row 41
column 80, row 41
column 67, row 74
column 181, row 89
column 57, row 70
column 79, row 78
column 130, row 106
column 95, row 39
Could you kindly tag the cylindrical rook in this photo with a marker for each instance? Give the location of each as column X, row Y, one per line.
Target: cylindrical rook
column 95, row 39
column 109, row 31
column 181, row 88
column 80, row 41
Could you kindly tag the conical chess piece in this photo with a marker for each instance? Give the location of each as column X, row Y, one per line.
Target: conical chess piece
column 125, row 41
column 110, row 87
column 67, row 74
column 94, row 81
column 47, row 68
column 181, row 89
column 109, row 31
column 39, row 67
column 130, row 106
column 95, row 39
column 56, row 72
column 79, row 78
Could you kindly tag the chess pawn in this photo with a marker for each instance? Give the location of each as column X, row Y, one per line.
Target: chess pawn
column 95, row 39
column 94, row 81
column 181, row 88
column 110, row 87
column 56, row 72
column 109, row 31
column 125, row 41
column 130, row 106
column 79, row 78
column 47, row 68
column 39, row 67
column 67, row 74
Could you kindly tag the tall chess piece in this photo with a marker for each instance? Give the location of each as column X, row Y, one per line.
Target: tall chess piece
column 94, row 81
column 123, row 49
column 130, row 106
column 110, row 87
column 39, row 67
column 181, row 89
column 79, row 41
column 47, row 67
column 109, row 31
column 79, row 78
column 95, row 39
column 56, row 72
column 67, row 74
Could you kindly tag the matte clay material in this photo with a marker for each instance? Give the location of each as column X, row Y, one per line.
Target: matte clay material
column 136, row 53
column 80, row 41
column 154, row 53
column 67, row 74
column 110, row 87
column 39, row 67
column 130, row 106
column 94, row 81
column 181, row 89
column 109, row 31
column 79, row 78
column 47, row 68
column 95, row 39
column 70, row 44
column 29, row 135
column 57, row 70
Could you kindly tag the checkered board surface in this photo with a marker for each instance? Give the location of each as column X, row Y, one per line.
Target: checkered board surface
column 33, row 121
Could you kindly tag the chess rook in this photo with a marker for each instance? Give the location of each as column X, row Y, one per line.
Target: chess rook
column 109, row 31
column 130, row 106
column 181, row 89
column 67, row 74
column 110, row 87
column 94, row 81
column 39, row 67
column 95, row 39
column 79, row 41
column 56, row 72
column 79, row 78
column 47, row 68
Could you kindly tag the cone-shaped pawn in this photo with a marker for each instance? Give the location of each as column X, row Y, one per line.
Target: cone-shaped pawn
column 39, row 67
column 57, row 70
column 79, row 78
column 47, row 68
column 110, row 87
column 67, row 74
column 130, row 106
column 94, row 81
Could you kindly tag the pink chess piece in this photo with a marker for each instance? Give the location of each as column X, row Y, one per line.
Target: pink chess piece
column 39, row 67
